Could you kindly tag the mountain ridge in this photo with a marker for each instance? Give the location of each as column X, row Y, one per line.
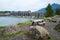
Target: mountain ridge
column 54, row 7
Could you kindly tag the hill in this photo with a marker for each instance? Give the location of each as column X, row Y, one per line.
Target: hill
column 54, row 7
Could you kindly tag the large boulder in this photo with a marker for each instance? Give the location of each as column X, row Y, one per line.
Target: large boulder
column 39, row 32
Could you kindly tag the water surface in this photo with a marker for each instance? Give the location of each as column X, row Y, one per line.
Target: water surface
column 8, row 20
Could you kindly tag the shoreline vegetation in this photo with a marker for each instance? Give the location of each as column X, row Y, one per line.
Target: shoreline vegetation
column 14, row 34
column 2, row 27
column 21, row 23
column 27, row 22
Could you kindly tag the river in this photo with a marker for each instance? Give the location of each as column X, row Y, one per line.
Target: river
column 8, row 20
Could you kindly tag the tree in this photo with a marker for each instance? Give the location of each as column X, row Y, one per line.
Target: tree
column 57, row 11
column 49, row 11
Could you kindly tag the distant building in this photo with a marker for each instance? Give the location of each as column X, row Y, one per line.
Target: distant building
column 28, row 13
column 7, row 13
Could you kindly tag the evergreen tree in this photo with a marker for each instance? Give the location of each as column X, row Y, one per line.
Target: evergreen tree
column 57, row 11
column 49, row 11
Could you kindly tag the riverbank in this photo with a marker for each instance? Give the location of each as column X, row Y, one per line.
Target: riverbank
column 23, row 33
column 24, row 26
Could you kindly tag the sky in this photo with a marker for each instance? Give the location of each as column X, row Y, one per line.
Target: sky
column 25, row 5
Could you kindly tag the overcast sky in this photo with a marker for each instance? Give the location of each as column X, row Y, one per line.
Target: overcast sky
column 24, row 5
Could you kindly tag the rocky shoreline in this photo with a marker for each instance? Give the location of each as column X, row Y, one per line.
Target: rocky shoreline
column 13, row 30
column 21, row 31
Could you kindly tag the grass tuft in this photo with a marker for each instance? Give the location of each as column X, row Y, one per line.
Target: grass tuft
column 1, row 27
column 22, row 23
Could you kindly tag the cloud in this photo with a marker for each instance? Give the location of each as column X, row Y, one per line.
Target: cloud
column 32, row 5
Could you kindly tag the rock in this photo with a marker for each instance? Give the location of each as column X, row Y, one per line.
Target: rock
column 12, row 29
column 40, row 32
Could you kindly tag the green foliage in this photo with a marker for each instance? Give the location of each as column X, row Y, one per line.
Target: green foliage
column 22, row 23
column 4, row 11
column 51, row 38
column 14, row 34
column 1, row 27
column 57, row 11
column 2, row 39
column 49, row 11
